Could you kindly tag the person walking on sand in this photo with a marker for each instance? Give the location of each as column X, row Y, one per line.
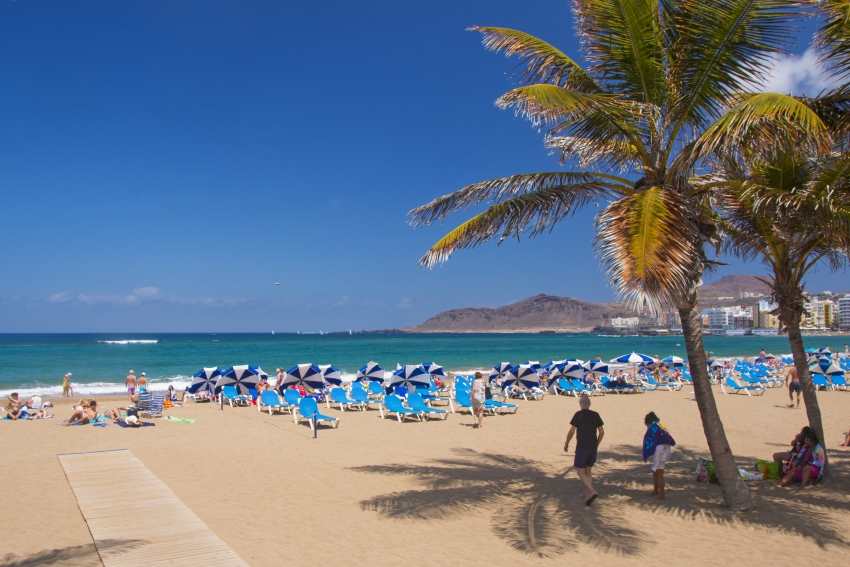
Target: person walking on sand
column 67, row 388
column 143, row 383
column 131, row 385
column 794, row 385
column 585, row 424
column 658, row 444
column 478, row 397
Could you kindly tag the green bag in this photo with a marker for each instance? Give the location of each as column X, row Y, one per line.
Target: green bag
column 769, row 469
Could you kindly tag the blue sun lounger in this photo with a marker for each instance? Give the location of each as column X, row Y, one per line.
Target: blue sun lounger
column 309, row 409
column 394, row 405
column 563, row 385
column 463, row 401
column 417, row 402
column 375, row 389
column 838, row 382
column 338, row 396
column 271, row 401
column 737, row 388
column 821, row 382
column 359, row 395
column 234, row 397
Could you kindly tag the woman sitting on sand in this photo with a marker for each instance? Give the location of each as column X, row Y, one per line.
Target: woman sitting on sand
column 83, row 416
column 791, row 455
column 808, row 466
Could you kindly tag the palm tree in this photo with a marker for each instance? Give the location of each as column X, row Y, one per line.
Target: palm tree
column 792, row 212
column 651, row 106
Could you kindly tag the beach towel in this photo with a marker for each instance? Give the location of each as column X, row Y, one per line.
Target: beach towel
column 180, row 419
column 141, row 424
column 656, row 434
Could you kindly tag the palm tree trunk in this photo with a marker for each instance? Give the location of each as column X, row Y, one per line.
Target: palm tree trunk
column 810, row 392
column 736, row 495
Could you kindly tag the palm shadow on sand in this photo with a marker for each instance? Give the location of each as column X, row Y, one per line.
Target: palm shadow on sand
column 541, row 512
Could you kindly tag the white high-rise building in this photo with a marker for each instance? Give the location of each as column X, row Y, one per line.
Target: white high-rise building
column 844, row 313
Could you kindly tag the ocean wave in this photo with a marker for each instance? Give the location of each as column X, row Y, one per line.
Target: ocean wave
column 130, row 342
column 98, row 388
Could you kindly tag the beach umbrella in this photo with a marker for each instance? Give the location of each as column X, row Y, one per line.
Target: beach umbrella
column 372, row 371
column 262, row 375
column 825, row 367
column 571, row 370
column 675, row 360
column 595, row 366
column 411, row 377
column 526, row 375
column 812, row 350
column 433, row 369
column 243, row 377
column 204, row 380
column 330, row 374
column 633, row 358
column 533, row 364
column 500, row 371
column 307, row 375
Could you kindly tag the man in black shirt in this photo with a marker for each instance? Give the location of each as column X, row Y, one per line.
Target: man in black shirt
column 586, row 423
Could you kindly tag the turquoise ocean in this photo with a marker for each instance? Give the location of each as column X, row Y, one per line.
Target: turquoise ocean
column 32, row 363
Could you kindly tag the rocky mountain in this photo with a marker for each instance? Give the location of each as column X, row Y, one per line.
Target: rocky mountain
column 538, row 313
column 744, row 289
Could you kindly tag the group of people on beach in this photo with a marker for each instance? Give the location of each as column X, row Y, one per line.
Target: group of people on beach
column 33, row 408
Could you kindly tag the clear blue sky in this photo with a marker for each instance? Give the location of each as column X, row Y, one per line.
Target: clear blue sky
column 163, row 163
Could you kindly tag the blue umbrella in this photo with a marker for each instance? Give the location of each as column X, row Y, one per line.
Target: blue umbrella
column 571, row 370
column 411, row 377
column 674, row 360
column 633, row 358
column 533, row 364
column 330, row 374
column 433, row 369
column 526, row 375
column 500, row 371
column 825, row 366
column 372, row 371
column 307, row 375
column 204, row 381
column 243, row 377
column 595, row 366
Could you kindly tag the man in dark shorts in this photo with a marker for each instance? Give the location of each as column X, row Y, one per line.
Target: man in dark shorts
column 585, row 424
column 793, row 386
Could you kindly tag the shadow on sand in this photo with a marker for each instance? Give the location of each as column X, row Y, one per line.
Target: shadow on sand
column 541, row 512
column 75, row 555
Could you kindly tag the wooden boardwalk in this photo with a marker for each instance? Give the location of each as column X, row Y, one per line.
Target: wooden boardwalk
column 135, row 519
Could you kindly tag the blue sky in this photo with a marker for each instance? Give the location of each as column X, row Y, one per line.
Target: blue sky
column 164, row 163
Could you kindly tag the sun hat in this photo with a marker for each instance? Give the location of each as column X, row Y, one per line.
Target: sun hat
column 143, row 373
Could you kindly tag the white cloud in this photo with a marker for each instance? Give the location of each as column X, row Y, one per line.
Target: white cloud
column 798, row 75
column 61, row 297
column 404, row 303
column 146, row 291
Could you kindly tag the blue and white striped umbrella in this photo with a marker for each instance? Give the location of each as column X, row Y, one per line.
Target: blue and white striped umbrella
column 595, row 366
column 372, row 371
column 526, row 375
column 307, row 375
column 243, row 377
column 675, row 360
column 204, row 381
column 330, row 374
column 571, row 370
column 633, row 358
column 411, row 377
column 825, row 367
column 433, row 369
column 500, row 371
column 534, row 364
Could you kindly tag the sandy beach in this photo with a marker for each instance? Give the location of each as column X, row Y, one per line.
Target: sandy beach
column 378, row 492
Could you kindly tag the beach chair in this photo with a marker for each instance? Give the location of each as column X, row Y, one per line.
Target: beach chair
column 234, row 397
column 375, row 389
column 359, row 395
column 394, row 405
column 270, row 400
column 562, row 385
column 308, row 408
column 431, row 395
column 253, row 393
column 671, row 386
column 821, row 382
column 839, row 382
column 338, row 396
column 736, row 388
column 144, row 401
column 155, row 409
column 496, row 406
column 580, row 388
column 417, row 402
column 463, row 400
column 293, row 398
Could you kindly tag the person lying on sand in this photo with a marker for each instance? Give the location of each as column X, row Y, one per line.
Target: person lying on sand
column 846, row 439
column 13, row 407
column 35, row 408
column 83, row 416
column 808, row 467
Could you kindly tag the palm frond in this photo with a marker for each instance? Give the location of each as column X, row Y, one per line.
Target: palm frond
column 533, row 213
column 624, row 43
column 604, row 154
column 766, row 121
column 542, row 63
column 833, row 37
column 651, row 250
column 583, row 185
column 722, row 47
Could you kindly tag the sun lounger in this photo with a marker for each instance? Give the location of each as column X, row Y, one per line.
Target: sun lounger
column 155, row 409
column 463, row 401
column 271, row 400
column 430, row 395
column 839, row 382
column 338, row 396
column 417, row 402
column 234, row 397
column 671, row 386
column 563, row 385
column 581, row 388
column 310, row 410
column 821, row 382
column 293, row 398
column 143, row 403
column 394, row 405
column 737, row 388
column 360, row 396
column 376, row 389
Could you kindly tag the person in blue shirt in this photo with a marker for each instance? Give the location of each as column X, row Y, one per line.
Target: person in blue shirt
column 658, row 444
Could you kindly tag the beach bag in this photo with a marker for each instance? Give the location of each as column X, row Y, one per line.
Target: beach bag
column 487, row 394
column 769, row 469
column 705, row 471
column 167, row 404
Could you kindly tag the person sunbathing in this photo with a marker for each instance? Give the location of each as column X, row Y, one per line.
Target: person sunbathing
column 35, row 408
column 13, row 407
column 808, row 466
column 846, row 439
column 83, row 416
